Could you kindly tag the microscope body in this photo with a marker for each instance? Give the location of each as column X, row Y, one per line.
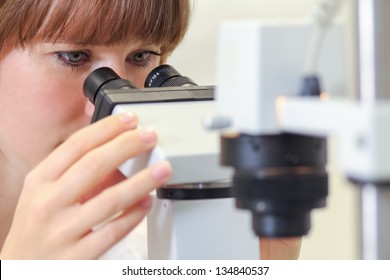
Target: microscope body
column 194, row 215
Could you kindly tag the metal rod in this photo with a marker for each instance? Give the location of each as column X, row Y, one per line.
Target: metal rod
column 373, row 20
column 375, row 222
column 374, row 49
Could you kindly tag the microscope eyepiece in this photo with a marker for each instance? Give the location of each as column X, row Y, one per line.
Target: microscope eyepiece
column 167, row 76
column 103, row 78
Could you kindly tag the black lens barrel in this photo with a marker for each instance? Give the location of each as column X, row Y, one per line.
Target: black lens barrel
column 279, row 178
column 167, row 76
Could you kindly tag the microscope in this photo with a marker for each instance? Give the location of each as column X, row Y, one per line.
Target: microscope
column 199, row 213
column 193, row 215
column 265, row 148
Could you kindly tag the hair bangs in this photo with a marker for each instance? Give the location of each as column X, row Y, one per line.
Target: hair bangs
column 102, row 22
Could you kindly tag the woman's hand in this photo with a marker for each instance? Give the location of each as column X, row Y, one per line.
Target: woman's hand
column 280, row 248
column 68, row 201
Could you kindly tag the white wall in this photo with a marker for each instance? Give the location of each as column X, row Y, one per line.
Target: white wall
column 334, row 232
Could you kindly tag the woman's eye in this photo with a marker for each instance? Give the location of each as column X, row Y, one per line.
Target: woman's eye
column 73, row 58
column 143, row 58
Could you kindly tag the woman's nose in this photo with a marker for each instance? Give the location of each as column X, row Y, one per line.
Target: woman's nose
column 120, row 70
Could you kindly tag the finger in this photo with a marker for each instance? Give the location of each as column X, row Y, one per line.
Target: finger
column 112, row 179
column 101, row 240
column 120, row 197
column 97, row 164
column 82, row 142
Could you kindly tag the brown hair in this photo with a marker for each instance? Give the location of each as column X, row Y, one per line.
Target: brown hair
column 93, row 22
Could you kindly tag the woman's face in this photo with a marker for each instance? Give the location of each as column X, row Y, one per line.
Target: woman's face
column 41, row 95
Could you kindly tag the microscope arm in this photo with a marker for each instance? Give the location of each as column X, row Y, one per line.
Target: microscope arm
column 362, row 132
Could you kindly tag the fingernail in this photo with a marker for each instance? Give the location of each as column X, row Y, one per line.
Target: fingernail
column 147, row 135
column 162, row 171
column 127, row 117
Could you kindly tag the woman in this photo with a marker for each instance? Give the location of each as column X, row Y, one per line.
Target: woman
column 58, row 177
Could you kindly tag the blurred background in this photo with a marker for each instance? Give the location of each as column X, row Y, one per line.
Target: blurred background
column 335, row 232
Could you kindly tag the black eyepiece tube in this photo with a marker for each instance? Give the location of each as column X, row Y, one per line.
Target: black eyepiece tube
column 167, row 76
column 103, row 78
